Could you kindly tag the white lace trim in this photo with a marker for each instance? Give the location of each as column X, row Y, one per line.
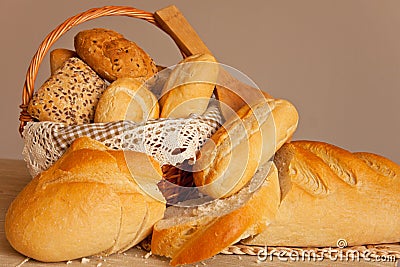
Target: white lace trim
column 169, row 141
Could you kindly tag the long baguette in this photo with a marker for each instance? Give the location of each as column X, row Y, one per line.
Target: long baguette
column 329, row 193
column 232, row 155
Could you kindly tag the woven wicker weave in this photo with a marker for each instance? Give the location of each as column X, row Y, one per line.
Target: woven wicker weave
column 172, row 174
column 390, row 252
column 53, row 36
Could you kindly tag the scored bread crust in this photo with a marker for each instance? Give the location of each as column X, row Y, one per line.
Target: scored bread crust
column 329, row 193
column 86, row 204
column 232, row 155
column 203, row 235
column 380, row 164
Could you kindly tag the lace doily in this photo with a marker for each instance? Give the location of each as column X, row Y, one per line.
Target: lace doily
column 169, row 141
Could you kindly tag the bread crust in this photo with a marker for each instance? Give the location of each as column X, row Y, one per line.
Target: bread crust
column 58, row 57
column 69, row 96
column 189, row 87
column 329, row 194
column 232, row 155
column 112, row 56
column 206, row 236
column 86, row 204
column 127, row 99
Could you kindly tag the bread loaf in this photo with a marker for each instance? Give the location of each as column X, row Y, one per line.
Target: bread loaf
column 69, row 96
column 192, row 234
column 189, row 87
column 127, row 99
column 329, row 194
column 58, row 57
column 112, row 56
column 87, row 203
column 232, row 155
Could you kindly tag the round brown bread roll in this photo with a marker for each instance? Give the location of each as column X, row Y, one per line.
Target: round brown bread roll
column 127, row 99
column 58, row 57
column 87, row 203
column 112, row 56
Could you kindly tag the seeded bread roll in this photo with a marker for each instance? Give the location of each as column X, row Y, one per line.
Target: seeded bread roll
column 112, row 56
column 58, row 57
column 69, row 96
column 127, row 99
column 87, row 203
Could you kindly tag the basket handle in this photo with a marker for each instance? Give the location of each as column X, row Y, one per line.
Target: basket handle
column 172, row 21
column 53, row 36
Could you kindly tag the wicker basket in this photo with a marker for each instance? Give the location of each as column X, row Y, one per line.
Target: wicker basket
column 171, row 173
column 53, row 36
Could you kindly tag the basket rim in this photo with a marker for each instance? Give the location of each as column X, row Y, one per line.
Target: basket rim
column 57, row 32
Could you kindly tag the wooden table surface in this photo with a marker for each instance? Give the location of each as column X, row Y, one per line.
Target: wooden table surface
column 14, row 176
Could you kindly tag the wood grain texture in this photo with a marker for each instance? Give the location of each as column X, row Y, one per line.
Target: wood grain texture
column 229, row 90
column 14, row 176
column 175, row 24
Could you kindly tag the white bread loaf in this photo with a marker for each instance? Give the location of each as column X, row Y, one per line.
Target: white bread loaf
column 329, row 194
column 189, row 87
column 192, row 234
column 127, row 99
column 232, row 155
column 87, row 203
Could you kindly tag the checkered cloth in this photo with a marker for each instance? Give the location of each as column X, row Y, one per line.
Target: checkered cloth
column 45, row 142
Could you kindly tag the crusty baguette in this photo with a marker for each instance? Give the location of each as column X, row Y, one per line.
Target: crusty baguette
column 127, row 99
column 189, row 87
column 232, row 155
column 192, row 234
column 329, row 194
column 87, row 203
column 380, row 164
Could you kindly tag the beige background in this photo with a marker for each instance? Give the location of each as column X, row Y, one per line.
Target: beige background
column 337, row 61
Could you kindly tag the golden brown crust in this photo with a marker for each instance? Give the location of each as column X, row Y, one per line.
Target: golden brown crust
column 206, row 236
column 112, row 56
column 87, row 203
column 189, row 87
column 47, row 223
column 331, row 194
column 127, row 99
column 380, row 164
column 58, row 57
column 232, row 155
